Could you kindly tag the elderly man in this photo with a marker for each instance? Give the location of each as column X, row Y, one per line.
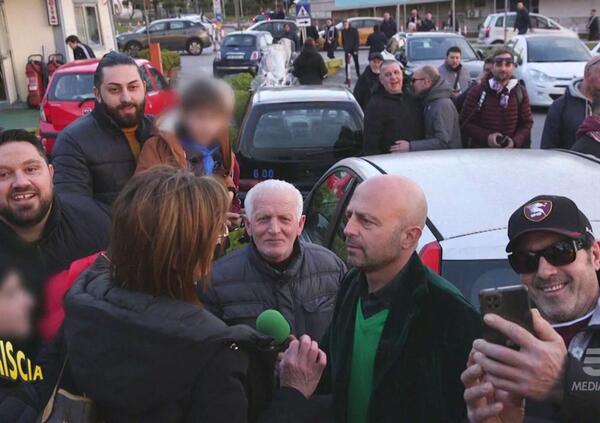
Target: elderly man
column 569, row 110
column 392, row 114
column 442, row 129
column 452, row 70
column 400, row 335
column 276, row 270
column 555, row 369
column 368, row 82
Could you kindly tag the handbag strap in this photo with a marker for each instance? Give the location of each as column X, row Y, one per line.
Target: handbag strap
column 48, row 409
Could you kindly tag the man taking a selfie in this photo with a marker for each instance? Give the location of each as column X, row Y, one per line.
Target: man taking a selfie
column 554, row 374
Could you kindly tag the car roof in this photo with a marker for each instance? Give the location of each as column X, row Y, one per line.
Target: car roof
column 495, row 15
column 301, row 93
column 274, row 20
column 546, row 35
column 247, row 32
column 88, row 66
column 476, row 190
column 429, row 35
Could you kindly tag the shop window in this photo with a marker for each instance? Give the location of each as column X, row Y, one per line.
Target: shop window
column 88, row 25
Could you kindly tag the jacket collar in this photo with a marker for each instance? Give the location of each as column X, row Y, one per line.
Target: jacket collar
column 450, row 69
column 267, row 269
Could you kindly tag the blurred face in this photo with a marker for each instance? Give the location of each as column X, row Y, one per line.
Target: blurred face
column 329, row 22
column 562, row 293
column 503, row 67
column 375, row 65
column 204, row 125
column 386, row 16
column 72, row 44
column 429, row 16
column 520, row 6
column 346, row 24
column 420, row 82
column 123, row 94
column 391, row 78
column 487, row 68
column 592, row 80
column 413, row 12
column 274, row 226
column 287, row 28
column 16, row 306
column 453, row 59
column 25, row 185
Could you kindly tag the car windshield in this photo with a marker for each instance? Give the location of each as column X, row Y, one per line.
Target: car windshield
column 325, row 127
column 555, row 49
column 72, row 87
column 239, row 41
column 435, row 48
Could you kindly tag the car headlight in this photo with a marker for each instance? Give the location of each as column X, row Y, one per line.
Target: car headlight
column 540, row 77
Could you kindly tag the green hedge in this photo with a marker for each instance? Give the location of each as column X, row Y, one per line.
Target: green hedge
column 170, row 59
column 241, row 88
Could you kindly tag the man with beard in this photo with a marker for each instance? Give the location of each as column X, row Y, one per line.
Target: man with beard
column 496, row 113
column 453, row 72
column 96, row 155
column 400, row 334
column 368, row 82
column 42, row 232
column 555, row 369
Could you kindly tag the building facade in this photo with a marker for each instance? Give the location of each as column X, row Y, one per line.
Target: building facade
column 30, row 27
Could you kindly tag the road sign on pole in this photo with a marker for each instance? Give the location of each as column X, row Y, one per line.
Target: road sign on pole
column 303, row 14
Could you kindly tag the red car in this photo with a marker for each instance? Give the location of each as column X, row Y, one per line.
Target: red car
column 70, row 94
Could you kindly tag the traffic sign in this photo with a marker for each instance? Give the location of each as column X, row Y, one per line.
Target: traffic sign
column 303, row 14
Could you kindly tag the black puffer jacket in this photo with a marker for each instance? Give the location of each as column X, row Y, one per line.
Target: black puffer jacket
column 244, row 285
column 92, row 157
column 309, row 67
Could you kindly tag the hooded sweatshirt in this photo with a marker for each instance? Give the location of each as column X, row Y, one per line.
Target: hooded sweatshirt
column 565, row 116
column 442, row 127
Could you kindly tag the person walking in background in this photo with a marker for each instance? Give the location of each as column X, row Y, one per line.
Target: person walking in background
column 593, row 26
column 80, row 50
column 388, row 26
column 522, row 21
column 427, row 24
column 280, row 13
column 350, row 42
column 452, row 71
column 331, row 38
column 376, row 41
column 309, row 66
column 569, row 110
column 368, row 82
column 442, row 129
column 291, row 35
column 413, row 19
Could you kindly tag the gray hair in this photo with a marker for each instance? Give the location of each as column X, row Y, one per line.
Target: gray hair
column 390, row 62
column 430, row 72
column 272, row 187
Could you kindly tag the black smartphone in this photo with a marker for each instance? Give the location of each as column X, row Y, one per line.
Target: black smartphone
column 509, row 302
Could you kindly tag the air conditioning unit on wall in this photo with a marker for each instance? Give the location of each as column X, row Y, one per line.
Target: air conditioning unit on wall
column 473, row 13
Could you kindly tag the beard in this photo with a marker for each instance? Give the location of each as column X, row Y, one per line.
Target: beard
column 26, row 216
column 122, row 120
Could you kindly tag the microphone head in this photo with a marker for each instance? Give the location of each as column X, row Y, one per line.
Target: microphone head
column 272, row 323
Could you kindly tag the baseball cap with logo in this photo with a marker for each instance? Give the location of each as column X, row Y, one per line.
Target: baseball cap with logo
column 548, row 213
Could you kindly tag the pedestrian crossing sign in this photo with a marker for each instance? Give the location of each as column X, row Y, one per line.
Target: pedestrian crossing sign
column 302, row 12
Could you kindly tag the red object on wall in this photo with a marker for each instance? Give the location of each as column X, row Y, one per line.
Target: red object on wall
column 34, row 70
column 155, row 57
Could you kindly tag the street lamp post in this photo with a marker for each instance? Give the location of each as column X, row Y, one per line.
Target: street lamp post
column 505, row 18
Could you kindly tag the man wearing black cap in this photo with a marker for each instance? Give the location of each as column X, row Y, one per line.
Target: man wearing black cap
column 368, row 82
column 556, row 370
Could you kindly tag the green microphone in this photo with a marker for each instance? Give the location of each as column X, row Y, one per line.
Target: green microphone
column 272, row 323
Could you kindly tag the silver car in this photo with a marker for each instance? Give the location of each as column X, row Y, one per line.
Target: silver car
column 471, row 195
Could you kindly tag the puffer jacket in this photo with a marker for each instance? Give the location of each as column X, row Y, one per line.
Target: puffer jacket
column 92, row 157
column 309, row 67
column 244, row 285
column 442, row 129
column 565, row 116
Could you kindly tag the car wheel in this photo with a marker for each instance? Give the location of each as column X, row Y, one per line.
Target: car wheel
column 133, row 48
column 194, row 47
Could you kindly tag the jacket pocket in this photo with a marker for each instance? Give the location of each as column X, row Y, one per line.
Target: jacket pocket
column 317, row 315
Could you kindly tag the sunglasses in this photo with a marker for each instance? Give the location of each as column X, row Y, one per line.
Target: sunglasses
column 559, row 254
column 507, row 62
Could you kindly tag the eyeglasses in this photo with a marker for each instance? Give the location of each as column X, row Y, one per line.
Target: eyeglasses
column 499, row 61
column 559, row 254
column 412, row 81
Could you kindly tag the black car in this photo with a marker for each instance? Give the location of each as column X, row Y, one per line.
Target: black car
column 296, row 134
column 241, row 52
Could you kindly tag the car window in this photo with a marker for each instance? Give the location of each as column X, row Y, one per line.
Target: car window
column 488, row 21
column 263, row 43
column 321, row 211
column 499, row 22
column 72, row 87
column 161, row 82
column 279, row 28
column 239, row 41
column 159, row 26
column 266, row 26
column 147, row 80
column 556, row 49
column 539, row 22
column 370, row 23
column 435, row 48
column 174, row 25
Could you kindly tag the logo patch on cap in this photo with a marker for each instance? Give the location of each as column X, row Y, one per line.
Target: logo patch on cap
column 538, row 210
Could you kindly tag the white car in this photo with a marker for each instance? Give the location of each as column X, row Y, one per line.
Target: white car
column 492, row 30
column 471, row 195
column 596, row 50
column 547, row 64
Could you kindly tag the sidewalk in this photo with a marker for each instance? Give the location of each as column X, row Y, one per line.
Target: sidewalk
column 19, row 116
column 340, row 77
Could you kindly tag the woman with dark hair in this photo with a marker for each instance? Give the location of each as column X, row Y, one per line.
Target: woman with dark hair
column 309, row 66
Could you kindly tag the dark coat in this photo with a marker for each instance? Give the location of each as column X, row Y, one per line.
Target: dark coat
column 423, row 350
column 515, row 121
column 332, row 39
column 426, row 26
column 83, row 51
column 244, row 285
column 92, row 157
column 593, row 28
column 350, row 39
column 309, row 67
column 377, row 42
column 522, row 21
column 389, row 28
column 365, row 87
column 564, row 117
column 389, row 118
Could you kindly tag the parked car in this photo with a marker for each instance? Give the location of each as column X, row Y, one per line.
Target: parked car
column 276, row 27
column 241, row 51
column 172, row 34
column 205, row 21
column 547, row 64
column 416, row 49
column 492, row 30
column 364, row 25
column 70, row 95
column 465, row 236
column 297, row 133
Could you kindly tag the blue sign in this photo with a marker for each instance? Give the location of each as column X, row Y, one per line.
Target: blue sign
column 303, row 10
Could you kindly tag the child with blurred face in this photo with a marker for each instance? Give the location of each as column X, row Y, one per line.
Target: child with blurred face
column 16, row 305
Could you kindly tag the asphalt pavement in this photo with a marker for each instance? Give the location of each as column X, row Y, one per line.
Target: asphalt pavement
column 193, row 66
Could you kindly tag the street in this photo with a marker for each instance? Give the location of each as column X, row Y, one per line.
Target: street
column 192, row 66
